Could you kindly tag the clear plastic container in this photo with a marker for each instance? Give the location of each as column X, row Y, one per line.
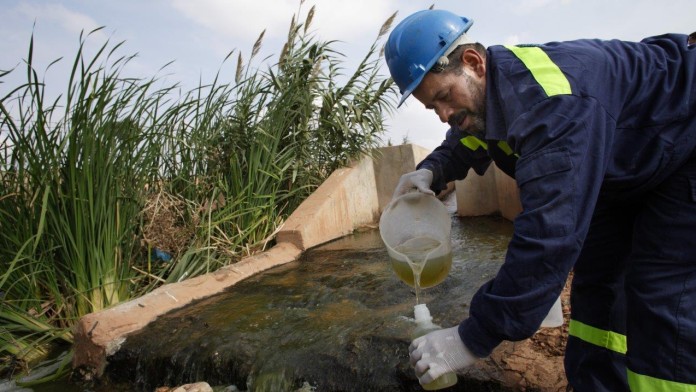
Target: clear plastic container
column 415, row 228
column 424, row 324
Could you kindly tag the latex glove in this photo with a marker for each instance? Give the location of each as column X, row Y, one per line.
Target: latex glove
column 420, row 179
column 437, row 353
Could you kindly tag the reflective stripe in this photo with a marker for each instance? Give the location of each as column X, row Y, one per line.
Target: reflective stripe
column 473, row 143
column 610, row 340
column 506, row 148
column 543, row 69
column 640, row 383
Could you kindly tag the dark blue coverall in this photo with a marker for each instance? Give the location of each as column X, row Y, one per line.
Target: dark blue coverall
column 600, row 137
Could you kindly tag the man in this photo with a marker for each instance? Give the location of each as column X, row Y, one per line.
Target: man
column 600, row 137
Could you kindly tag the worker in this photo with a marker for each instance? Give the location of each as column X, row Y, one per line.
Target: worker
column 599, row 136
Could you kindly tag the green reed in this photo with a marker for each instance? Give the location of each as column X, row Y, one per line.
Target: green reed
column 88, row 179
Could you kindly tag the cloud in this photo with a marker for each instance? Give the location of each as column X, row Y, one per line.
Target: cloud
column 526, row 6
column 245, row 19
column 70, row 21
column 239, row 19
column 350, row 20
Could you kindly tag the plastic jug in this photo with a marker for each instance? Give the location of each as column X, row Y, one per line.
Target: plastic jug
column 415, row 228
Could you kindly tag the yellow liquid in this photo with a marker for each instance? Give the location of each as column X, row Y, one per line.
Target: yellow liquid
column 431, row 271
column 444, row 381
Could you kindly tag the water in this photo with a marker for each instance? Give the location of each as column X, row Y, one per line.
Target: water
column 337, row 319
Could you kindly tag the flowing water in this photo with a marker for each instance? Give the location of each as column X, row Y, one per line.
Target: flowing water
column 337, row 319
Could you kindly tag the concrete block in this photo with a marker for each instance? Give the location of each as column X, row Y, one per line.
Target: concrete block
column 477, row 195
column 101, row 334
column 390, row 164
column 508, row 195
column 346, row 200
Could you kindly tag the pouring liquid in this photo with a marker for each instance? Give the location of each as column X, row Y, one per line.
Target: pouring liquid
column 422, row 270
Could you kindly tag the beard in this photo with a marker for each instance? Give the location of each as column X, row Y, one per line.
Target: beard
column 477, row 122
column 477, row 117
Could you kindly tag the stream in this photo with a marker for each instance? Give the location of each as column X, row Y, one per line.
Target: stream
column 337, row 319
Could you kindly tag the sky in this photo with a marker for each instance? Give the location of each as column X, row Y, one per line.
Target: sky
column 195, row 36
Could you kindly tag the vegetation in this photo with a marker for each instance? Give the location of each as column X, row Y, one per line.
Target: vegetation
column 94, row 183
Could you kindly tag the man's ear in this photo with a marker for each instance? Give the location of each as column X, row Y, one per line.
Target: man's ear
column 473, row 59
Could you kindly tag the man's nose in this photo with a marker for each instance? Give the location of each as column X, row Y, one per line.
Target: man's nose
column 444, row 114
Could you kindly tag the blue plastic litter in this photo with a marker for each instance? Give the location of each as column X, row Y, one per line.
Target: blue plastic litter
column 161, row 255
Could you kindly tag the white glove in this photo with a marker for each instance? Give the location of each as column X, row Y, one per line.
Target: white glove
column 420, row 179
column 437, row 353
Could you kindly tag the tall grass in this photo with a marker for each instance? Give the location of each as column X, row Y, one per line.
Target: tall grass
column 95, row 180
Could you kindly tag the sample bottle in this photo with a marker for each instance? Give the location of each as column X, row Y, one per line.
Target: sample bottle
column 424, row 324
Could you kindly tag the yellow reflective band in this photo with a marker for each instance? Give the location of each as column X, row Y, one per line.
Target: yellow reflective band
column 473, row 143
column 544, row 71
column 640, row 383
column 599, row 337
column 506, row 148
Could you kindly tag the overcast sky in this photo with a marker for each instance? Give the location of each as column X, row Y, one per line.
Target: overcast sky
column 198, row 34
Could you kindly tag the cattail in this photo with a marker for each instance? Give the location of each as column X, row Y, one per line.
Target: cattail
column 310, row 16
column 283, row 53
column 291, row 32
column 257, row 44
column 387, row 25
column 238, row 74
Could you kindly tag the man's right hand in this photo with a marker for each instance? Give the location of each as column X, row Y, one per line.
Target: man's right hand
column 420, row 179
column 439, row 352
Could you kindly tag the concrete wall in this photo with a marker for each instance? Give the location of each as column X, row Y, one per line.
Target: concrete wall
column 346, row 200
column 350, row 198
column 493, row 193
column 390, row 163
column 509, row 203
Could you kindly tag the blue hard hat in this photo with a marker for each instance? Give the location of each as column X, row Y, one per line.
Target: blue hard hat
column 417, row 43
